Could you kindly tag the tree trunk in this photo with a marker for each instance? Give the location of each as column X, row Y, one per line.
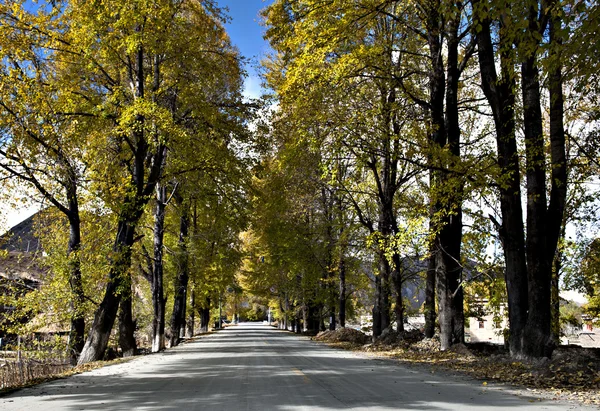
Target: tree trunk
column 313, row 318
column 205, row 316
column 455, row 183
column 305, row 322
column 385, row 293
column 106, row 313
column 386, row 229
column 158, row 300
column 537, row 336
column 189, row 333
column 381, row 308
column 377, row 309
column 500, row 95
column 127, row 325
column 181, row 282
column 399, row 306
column 450, row 295
column 332, row 318
column 192, row 316
column 447, row 185
column 342, row 292
column 76, row 334
column 444, row 298
column 437, row 141
column 132, row 208
column 398, row 282
column 558, row 194
column 555, row 321
column 429, row 306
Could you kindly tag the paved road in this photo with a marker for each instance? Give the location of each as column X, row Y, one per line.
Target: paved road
column 255, row 367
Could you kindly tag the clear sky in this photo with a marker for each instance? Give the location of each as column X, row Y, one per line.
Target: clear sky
column 246, row 33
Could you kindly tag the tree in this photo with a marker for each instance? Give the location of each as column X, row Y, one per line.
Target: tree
column 354, row 92
column 528, row 272
column 150, row 86
column 41, row 134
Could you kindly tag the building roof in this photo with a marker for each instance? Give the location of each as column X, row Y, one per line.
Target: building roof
column 21, row 238
column 28, row 267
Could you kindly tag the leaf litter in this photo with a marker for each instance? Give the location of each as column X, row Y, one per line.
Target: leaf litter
column 573, row 373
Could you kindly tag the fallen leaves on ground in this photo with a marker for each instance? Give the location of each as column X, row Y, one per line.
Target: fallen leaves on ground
column 348, row 335
column 573, row 373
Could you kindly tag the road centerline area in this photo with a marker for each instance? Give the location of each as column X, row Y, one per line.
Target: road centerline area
column 255, row 367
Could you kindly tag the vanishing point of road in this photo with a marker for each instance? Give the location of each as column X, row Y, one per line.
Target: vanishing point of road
column 255, row 367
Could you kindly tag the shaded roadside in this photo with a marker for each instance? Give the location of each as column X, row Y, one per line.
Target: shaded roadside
column 573, row 373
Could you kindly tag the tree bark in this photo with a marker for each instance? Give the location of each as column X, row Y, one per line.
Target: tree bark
column 377, row 309
column 305, row 321
column 555, row 320
column 106, row 313
column 444, row 299
column 447, row 213
column 313, row 318
column 332, row 323
column 537, row 336
column 452, row 232
column 558, row 193
column 189, row 333
column 429, row 306
column 127, row 325
column 399, row 306
column 537, row 341
column 205, row 316
column 158, row 300
column 385, row 272
column 181, row 282
column 76, row 334
column 342, row 291
column 501, row 97
column 385, row 226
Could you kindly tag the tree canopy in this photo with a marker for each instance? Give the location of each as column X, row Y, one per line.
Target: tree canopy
column 410, row 158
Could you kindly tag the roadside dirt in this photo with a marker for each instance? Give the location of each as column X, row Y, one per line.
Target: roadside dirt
column 573, row 373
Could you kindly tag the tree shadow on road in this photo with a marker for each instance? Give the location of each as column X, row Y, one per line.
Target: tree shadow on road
column 262, row 369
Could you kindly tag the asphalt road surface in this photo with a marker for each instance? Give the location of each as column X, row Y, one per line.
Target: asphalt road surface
column 255, row 367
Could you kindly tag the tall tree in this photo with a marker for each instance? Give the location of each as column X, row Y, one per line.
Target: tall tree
column 151, row 85
column 41, row 133
column 353, row 60
column 528, row 254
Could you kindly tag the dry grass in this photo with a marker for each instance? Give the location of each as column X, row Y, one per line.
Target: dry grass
column 15, row 375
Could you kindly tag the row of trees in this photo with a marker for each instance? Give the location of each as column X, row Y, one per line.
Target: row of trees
column 402, row 140
column 408, row 130
column 127, row 118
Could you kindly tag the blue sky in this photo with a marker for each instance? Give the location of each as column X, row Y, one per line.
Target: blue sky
column 246, row 33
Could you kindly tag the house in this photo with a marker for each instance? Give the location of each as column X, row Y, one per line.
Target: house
column 21, row 267
column 586, row 335
column 22, row 238
column 488, row 327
